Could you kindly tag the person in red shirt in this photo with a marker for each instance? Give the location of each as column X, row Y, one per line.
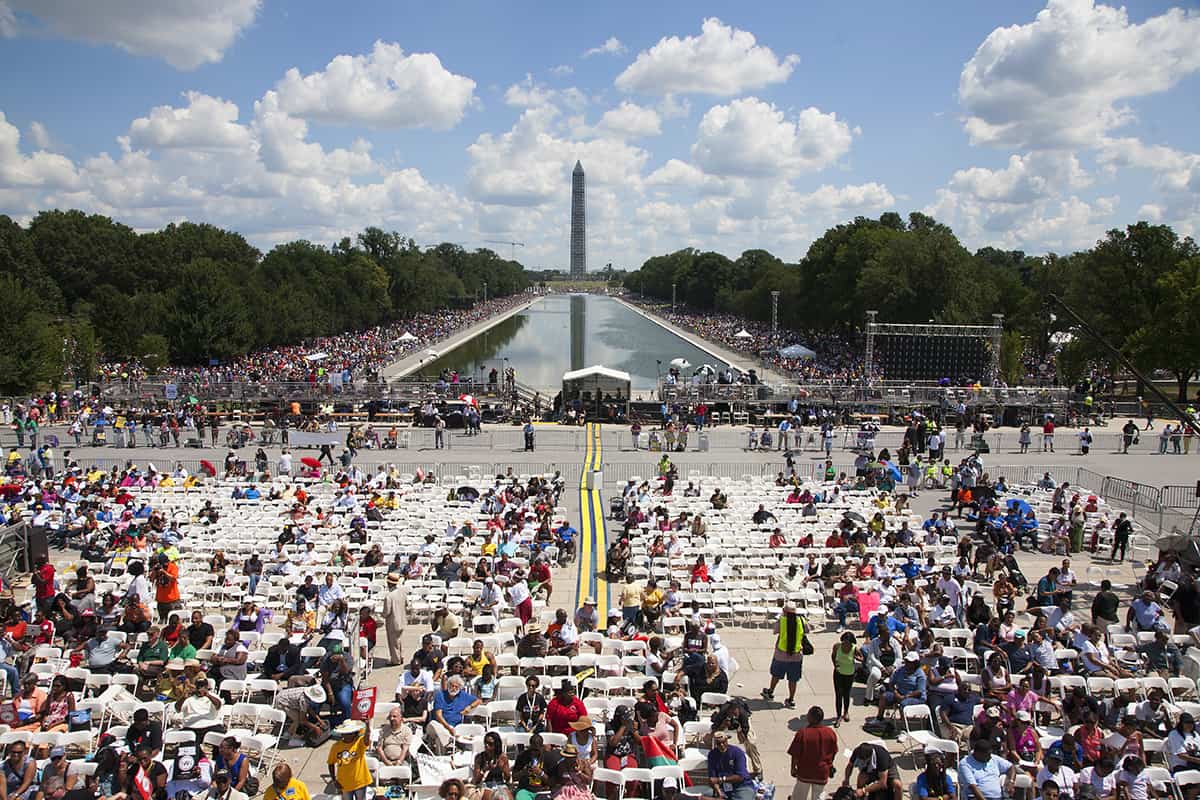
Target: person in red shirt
column 812, row 751
column 835, row 540
column 539, row 577
column 1048, row 436
column 565, row 708
column 43, row 582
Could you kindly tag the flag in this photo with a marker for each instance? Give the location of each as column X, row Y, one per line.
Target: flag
column 141, row 782
column 363, row 705
column 660, row 755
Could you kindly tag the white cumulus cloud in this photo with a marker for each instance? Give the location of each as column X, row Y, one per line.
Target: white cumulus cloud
column 1025, row 178
column 632, row 121
column 382, row 89
column 40, row 169
column 752, row 138
column 1064, row 79
column 612, row 46
column 184, row 33
column 722, row 60
column 205, row 123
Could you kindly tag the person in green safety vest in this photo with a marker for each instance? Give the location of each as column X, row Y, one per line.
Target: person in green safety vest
column 788, row 658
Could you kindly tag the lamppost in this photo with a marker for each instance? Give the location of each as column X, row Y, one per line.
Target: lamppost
column 672, row 298
column 774, row 312
column 485, row 291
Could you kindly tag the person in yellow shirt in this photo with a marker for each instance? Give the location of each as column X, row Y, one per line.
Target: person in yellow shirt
column 348, row 760
column 652, row 600
column 284, row 786
column 631, row 599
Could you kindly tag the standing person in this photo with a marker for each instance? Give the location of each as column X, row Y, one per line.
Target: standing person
column 788, row 659
column 844, row 666
column 1129, row 434
column 395, row 615
column 1048, row 434
column 1122, row 529
column 812, row 752
column 347, row 760
column 439, row 432
column 1085, row 441
column 528, row 431
column 1025, row 438
column 635, row 430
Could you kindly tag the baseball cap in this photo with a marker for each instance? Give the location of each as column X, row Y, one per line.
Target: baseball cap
column 911, row 657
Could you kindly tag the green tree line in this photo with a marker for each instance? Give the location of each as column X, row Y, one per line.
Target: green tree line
column 77, row 287
column 1138, row 287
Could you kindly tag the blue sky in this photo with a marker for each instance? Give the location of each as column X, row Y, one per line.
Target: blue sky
column 719, row 126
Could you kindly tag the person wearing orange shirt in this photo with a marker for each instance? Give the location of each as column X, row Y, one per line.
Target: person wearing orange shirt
column 166, row 586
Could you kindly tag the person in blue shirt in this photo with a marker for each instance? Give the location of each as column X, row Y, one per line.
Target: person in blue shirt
column 908, row 685
column 935, row 783
column 980, row 773
column 251, row 493
column 727, row 773
column 566, row 534
column 882, row 617
column 450, row 705
column 910, row 568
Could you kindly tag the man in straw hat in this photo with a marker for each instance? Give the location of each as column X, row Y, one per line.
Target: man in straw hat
column 302, row 705
column 347, row 759
column 395, row 615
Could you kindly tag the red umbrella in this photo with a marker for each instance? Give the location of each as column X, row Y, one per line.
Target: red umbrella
column 469, row 399
column 10, row 489
column 309, row 461
column 208, row 469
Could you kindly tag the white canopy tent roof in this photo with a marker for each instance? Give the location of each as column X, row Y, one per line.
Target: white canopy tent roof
column 743, row 334
column 597, row 381
column 407, row 337
column 316, row 356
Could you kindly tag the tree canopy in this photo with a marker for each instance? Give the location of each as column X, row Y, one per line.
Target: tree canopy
column 1137, row 287
column 78, row 285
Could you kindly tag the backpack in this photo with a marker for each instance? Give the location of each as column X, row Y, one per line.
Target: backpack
column 883, row 728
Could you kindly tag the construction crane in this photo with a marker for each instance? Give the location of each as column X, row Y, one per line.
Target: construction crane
column 512, row 245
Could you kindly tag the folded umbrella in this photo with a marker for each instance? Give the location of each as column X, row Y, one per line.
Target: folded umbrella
column 207, row 468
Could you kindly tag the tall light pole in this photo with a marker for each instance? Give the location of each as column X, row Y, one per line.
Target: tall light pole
column 485, row 291
column 774, row 312
column 672, row 298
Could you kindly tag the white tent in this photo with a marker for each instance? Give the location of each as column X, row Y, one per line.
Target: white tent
column 596, row 381
column 407, row 337
column 316, row 356
column 680, row 363
column 743, row 334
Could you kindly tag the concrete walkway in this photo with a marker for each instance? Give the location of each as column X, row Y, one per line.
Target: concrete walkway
column 742, row 361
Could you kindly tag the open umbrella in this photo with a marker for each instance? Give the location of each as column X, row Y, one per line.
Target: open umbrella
column 743, row 334
column 469, row 400
column 207, row 468
column 854, row 515
column 680, row 363
column 407, row 337
column 1019, row 504
column 705, row 369
column 309, row 461
column 431, row 352
column 467, row 493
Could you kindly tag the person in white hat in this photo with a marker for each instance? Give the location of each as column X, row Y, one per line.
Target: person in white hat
column 302, row 705
column 587, row 619
column 907, row 685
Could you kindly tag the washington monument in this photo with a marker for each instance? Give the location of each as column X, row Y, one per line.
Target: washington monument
column 578, row 223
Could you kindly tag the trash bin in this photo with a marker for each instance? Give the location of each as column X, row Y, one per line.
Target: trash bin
column 702, row 442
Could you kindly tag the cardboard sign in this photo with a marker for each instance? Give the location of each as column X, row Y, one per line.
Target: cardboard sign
column 362, row 706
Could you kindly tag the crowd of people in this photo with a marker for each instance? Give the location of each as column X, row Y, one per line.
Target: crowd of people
column 839, row 357
column 970, row 651
column 353, row 355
